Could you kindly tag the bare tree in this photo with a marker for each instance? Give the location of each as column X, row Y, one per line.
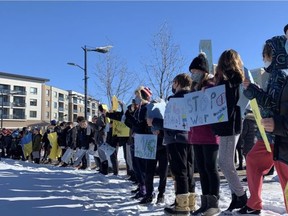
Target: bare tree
column 165, row 63
column 113, row 78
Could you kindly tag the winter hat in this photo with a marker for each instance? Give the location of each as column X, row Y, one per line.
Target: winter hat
column 200, row 63
column 53, row 122
column 145, row 93
column 285, row 29
column 279, row 54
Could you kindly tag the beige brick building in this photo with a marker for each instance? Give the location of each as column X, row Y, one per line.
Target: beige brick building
column 29, row 101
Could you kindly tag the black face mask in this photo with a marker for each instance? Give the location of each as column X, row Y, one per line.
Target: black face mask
column 173, row 90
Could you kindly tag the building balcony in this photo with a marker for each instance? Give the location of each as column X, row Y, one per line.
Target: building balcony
column 20, row 92
column 6, row 116
column 6, row 104
column 19, row 104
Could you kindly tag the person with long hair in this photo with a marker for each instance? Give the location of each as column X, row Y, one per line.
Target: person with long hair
column 229, row 72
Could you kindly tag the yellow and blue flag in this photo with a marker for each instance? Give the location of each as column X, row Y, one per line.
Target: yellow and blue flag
column 26, row 143
column 56, row 151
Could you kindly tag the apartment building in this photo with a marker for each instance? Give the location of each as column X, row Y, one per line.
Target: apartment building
column 20, row 100
column 29, row 101
column 76, row 106
column 55, row 103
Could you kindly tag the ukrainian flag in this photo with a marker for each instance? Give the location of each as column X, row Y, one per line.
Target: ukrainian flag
column 26, row 143
column 56, row 151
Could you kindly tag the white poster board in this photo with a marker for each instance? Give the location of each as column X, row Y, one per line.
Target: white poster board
column 145, row 146
column 175, row 115
column 206, row 107
column 106, row 148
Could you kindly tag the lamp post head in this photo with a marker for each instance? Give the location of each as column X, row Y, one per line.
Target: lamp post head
column 71, row 63
column 74, row 64
column 103, row 49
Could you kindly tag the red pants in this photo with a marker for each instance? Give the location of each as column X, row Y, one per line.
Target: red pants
column 259, row 162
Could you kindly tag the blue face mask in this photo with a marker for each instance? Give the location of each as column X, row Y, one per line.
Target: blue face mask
column 137, row 101
column 197, row 77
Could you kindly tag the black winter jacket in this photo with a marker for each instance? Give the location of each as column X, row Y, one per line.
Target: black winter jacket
column 281, row 127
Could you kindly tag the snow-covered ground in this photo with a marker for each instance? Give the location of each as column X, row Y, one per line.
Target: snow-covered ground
column 47, row 190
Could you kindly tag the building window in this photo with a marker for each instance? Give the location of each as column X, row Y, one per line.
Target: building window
column 47, row 115
column 55, row 115
column 33, row 90
column 33, row 102
column 47, row 103
column 55, row 94
column 47, row 92
column 55, row 105
column 33, row 114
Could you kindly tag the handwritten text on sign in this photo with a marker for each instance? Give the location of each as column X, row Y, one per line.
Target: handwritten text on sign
column 175, row 115
column 206, row 107
column 145, row 146
column 196, row 108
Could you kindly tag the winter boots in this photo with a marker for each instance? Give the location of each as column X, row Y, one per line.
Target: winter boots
column 181, row 207
column 104, row 168
column 141, row 193
column 237, row 202
column 192, row 202
column 203, row 206
column 212, row 206
column 209, row 206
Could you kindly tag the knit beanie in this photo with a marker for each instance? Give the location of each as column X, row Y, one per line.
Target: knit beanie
column 145, row 93
column 200, row 63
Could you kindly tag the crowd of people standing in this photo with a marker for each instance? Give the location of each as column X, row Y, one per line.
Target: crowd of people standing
column 211, row 147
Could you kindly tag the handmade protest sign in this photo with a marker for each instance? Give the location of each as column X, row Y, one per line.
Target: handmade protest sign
column 156, row 110
column 114, row 103
column 196, row 108
column 120, row 129
column 107, row 148
column 175, row 115
column 244, row 102
column 145, row 146
column 206, row 107
column 255, row 109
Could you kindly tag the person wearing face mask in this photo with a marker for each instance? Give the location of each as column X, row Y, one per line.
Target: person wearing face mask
column 180, row 154
column 138, row 125
column 272, row 103
column 205, row 144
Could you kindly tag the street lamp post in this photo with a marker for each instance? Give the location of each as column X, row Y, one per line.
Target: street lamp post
column 104, row 49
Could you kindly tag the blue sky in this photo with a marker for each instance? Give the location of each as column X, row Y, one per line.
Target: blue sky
column 38, row 38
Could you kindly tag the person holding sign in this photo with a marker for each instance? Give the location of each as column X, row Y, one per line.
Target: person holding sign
column 205, row 144
column 180, row 154
column 101, row 128
column 138, row 124
column 229, row 72
column 273, row 106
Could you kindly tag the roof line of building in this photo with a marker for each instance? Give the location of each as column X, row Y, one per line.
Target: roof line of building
column 9, row 75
